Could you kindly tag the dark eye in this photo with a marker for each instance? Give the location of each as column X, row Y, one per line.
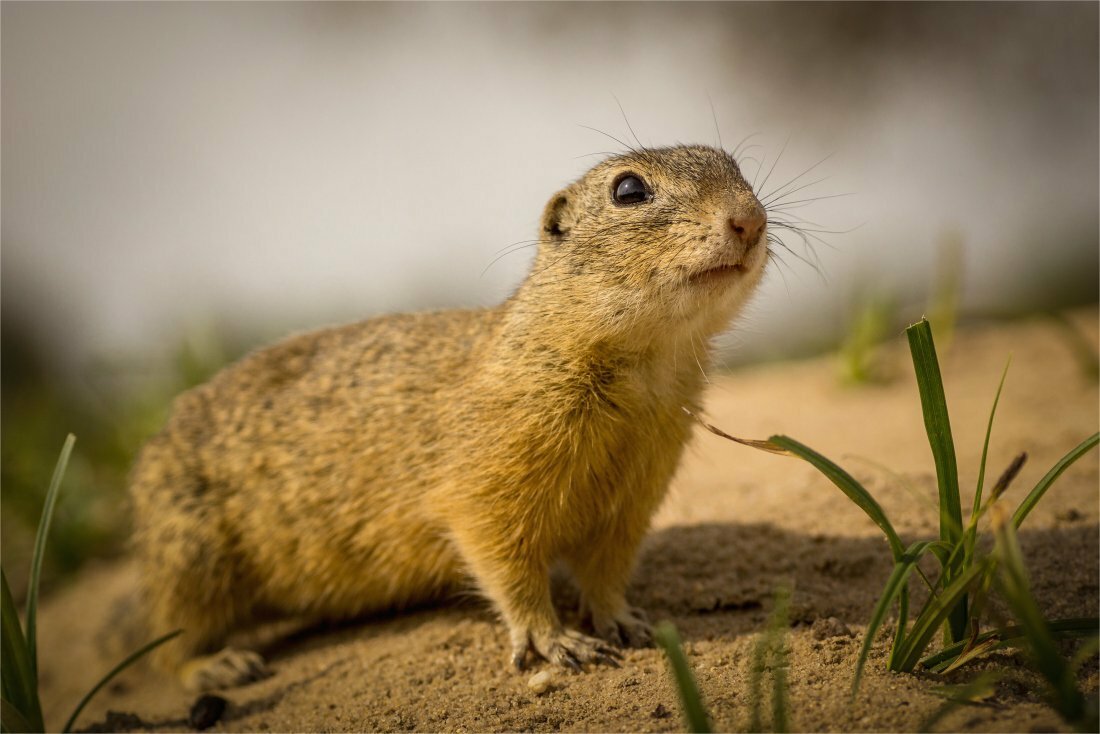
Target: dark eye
column 631, row 190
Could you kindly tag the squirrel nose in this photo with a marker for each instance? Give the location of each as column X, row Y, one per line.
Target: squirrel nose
column 746, row 226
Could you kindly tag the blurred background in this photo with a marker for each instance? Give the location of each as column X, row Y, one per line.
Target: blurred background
column 183, row 182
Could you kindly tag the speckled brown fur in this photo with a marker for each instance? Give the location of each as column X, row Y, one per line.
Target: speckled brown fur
column 376, row 465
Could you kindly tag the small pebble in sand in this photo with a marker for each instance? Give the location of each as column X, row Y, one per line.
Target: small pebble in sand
column 541, row 682
column 660, row 712
column 206, row 711
column 832, row 627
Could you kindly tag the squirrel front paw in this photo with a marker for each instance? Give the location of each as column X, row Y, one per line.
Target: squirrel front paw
column 567, row 648
column 628, row 628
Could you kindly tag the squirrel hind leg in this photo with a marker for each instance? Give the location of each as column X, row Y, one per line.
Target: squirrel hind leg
column 224, row 669
column 191, row 583
column 194, row 657
column 191, row 578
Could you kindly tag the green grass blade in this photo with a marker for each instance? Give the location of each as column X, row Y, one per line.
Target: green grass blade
column 895, row 588
column 752, row 443
column 933, row 614
column 849, row 486
column 12, row 719
column 780, row 703
column 981, row 687
column 980, row 596
column 985, row 445
column 771, row 644
column 777, row 633
column 1036, row 494
column 1012, row 636
column 19, row 682
column 903, row 620
column 1014, row 586
column 40, row 547
column 666, row 636
column 127, row 662
column 894, row 585
column 757, row 664
column 1088, row 649
column 972, row 653
column 938, row 426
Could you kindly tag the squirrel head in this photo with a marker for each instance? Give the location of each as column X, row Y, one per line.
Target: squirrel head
column 652, row 239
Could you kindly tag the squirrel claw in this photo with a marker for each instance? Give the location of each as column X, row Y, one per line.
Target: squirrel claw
column 572, row 650
column 609, row 660
column 630, row 628
column 570, row 660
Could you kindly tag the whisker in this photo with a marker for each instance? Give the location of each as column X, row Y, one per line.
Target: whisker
column 791, row 216
column 519, row 242
column 781, row 264
column 748, row 148
column 805, row 236
column 781, row 150
column 744, row 140
column 776, row 198
column 703, row 372
column 800, row 175
column 793, row 225
column 816, row 198
column 714, row 116
column 513, row 249
column 775, row 239
column 608, row 135
column 810, row 250
column 628, row 127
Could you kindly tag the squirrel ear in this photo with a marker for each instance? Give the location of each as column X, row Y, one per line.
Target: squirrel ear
column 557, row 217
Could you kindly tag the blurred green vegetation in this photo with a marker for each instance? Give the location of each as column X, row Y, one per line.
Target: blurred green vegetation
column 946, row 292
column 1079, row 342
column 873, row 321
column 875, row 316
column 112, row 412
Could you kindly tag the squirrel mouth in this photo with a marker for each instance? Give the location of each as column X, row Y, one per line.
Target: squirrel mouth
column 717, row 274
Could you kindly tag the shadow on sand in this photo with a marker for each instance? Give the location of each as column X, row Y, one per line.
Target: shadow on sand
column 715, row 581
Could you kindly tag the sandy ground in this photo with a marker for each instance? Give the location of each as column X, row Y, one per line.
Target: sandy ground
column 737, row 524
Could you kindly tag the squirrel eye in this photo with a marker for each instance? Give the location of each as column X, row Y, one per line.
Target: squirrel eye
column 631, row 190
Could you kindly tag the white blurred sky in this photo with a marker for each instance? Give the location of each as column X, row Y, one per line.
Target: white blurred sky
column 281, row 166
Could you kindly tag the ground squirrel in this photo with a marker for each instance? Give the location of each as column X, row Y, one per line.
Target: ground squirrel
column 386, row 463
